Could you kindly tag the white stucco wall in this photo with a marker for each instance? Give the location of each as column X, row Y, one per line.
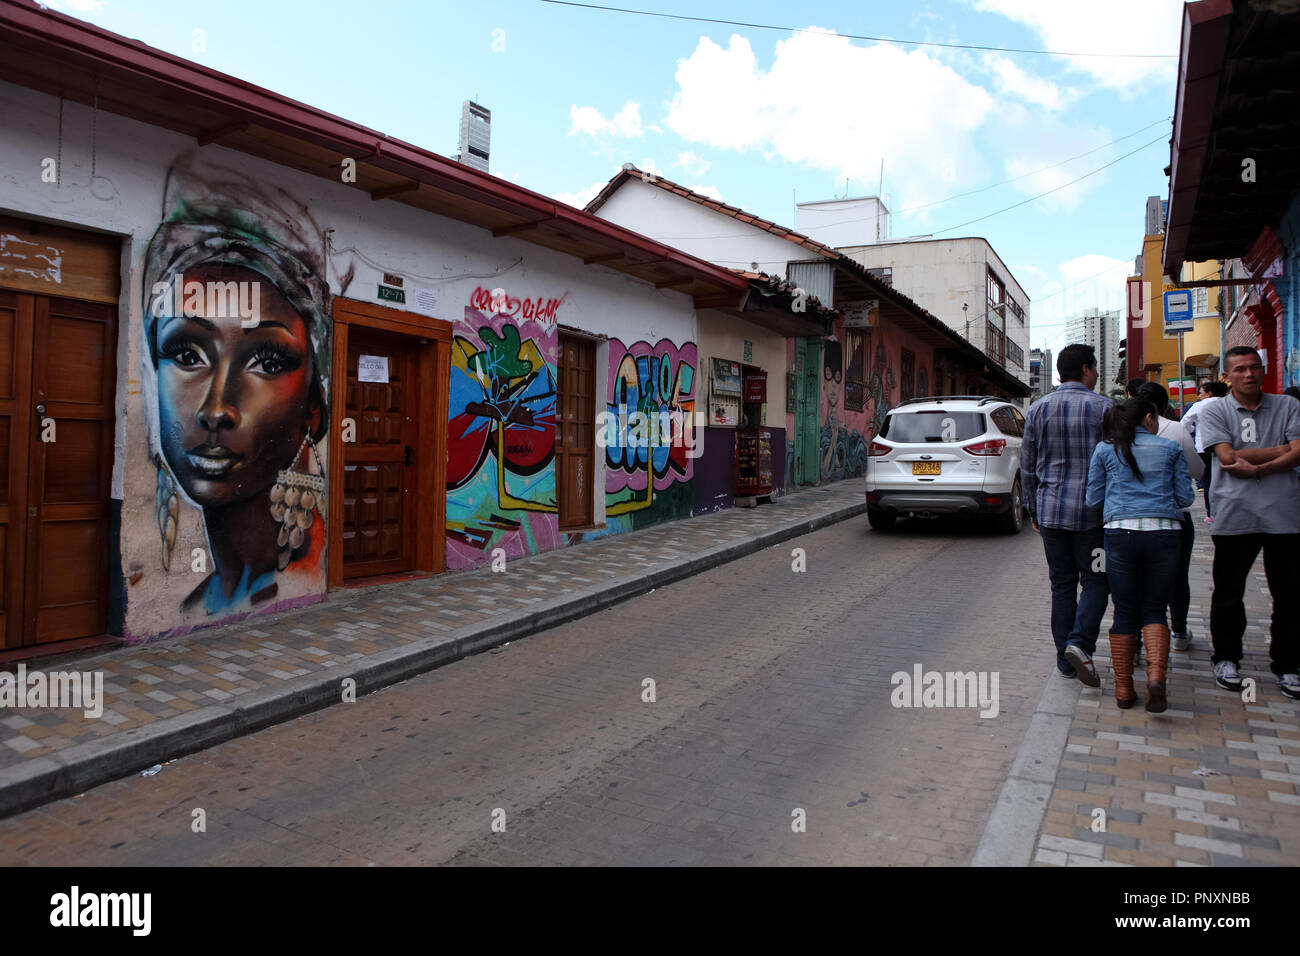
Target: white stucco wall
column 711, row 235
column 365, row 239
column 724, row 336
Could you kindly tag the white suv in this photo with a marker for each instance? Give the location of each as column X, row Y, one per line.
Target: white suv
column 957, row 454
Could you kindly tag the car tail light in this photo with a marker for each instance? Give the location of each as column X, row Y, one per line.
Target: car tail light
column 992, row 500
column 875, row 449
column 994, row 446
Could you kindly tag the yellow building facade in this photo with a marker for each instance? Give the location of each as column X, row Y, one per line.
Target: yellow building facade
column 1160, row 351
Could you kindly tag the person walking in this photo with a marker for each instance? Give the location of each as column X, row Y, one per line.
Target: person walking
column 1180, row 597
column 1061, row 431
column 1210, row 392
column 1142, row 481
column 1255, row 439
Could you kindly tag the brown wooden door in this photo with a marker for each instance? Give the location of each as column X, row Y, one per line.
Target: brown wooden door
column 57, row 383
column 380, row 472
column 575, row 431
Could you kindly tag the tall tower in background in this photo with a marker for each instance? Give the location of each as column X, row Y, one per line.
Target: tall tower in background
column 475, row 135
column 1100, row 330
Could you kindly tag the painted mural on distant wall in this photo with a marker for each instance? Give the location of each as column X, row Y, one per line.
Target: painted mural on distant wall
column 501, row 437
column 648, row 481
column 235, row 382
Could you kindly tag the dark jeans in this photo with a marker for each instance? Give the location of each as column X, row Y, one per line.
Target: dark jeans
column 1234, row 556
column 1207, row 457
column 1140, row 566
column 1076, row 617
column 1181, row 596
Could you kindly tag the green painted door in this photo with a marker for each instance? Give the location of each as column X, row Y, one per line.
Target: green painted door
column 807, row 458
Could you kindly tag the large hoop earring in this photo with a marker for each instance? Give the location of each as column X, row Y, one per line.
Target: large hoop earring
column 294, row 497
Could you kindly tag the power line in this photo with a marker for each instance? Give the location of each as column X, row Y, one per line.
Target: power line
column 937, row 202
column 858, row 36
column 1026, row 202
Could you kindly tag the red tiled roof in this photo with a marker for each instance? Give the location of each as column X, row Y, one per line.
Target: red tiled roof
column 631, row 172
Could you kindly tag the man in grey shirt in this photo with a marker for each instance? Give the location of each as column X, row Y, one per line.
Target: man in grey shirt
column 1255, row 441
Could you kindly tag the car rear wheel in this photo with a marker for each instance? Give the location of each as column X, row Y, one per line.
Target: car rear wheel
column 1013, row 522
column 880, row 520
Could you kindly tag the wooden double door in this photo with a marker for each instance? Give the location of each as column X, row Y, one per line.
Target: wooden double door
column 57, row 384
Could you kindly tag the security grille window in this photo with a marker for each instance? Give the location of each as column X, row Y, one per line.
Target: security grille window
column 1201, row 301
column 929, row 426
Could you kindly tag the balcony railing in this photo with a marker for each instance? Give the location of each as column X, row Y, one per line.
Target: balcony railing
column 1000, row 348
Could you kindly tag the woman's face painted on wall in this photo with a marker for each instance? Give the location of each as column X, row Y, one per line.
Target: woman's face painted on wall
column 233, row 402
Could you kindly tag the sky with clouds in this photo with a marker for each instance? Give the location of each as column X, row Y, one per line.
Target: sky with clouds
column 756, row 117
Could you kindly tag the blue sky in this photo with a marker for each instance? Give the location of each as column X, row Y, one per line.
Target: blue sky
column 757, row 116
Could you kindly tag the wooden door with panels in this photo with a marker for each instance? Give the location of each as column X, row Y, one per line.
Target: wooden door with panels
column 575, row 453
column 379, row 466
column 57, row 384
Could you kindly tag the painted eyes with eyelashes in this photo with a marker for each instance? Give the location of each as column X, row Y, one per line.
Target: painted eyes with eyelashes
column 269, row 359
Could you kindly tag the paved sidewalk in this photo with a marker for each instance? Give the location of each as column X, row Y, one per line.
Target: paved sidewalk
column 173, row 697
column 1212, row 781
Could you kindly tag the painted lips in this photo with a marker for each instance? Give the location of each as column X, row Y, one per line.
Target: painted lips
column 212, row 461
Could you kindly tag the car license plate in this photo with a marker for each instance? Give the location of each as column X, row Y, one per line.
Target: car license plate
column 925, row 468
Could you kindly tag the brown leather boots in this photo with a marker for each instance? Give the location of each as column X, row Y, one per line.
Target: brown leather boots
column 1122, row 649
column 1156, row 639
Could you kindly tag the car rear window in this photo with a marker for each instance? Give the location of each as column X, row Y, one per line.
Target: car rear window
column 928, row 426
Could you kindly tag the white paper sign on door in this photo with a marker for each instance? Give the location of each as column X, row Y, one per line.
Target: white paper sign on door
column 372, row 368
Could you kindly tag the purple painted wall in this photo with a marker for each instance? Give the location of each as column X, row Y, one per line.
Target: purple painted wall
column 714, row 485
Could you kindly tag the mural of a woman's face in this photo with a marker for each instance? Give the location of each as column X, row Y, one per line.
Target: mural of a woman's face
column 832, row 372
column 233, row 402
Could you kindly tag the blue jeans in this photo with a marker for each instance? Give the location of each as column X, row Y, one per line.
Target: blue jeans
column 1141, row 566
column 1076, row 617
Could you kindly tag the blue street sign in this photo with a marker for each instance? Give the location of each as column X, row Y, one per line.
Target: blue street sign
column 1178, row 311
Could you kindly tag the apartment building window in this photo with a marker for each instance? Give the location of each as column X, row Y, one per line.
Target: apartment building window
column 997, row 296
column 885, row 274
column 1200, row 302
column 1015, row 309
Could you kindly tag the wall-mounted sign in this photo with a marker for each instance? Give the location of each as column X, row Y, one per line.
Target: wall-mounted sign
column 389, row 294
column 858, row 315
column 394, row 280
column 372, row 368
column 756, row 387
column 726, row 377
column 424, row 300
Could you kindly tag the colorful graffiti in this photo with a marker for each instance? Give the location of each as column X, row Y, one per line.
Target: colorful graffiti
column 501, row 437
column 237, row 405
column 648, row 481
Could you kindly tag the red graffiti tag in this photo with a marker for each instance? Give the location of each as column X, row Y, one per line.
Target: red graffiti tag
column 497, row 302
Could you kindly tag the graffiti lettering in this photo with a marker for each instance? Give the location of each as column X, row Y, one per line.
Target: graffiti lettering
column 497, row 302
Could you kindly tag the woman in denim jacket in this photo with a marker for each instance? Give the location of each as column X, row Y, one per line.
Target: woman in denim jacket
column 1144, row 482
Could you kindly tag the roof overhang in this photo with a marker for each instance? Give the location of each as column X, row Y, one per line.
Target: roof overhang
column 62, row 56
column 1235, row 152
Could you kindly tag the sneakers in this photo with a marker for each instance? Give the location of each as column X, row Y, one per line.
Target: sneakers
column 1290, row 685
column 1083, row 668
column 1226, row 676
column 1181, row 640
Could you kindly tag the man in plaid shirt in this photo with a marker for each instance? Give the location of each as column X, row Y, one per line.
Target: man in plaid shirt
column 1061, row 431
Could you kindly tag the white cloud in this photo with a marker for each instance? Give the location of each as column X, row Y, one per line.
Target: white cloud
column 1034, row 146
column 1103, row 26
column 692, row 164
column 1089, row 281
column 836, row 107
column 587, row 119
column 582, row 196
column 1014, row 81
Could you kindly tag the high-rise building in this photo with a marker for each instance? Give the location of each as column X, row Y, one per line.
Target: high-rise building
column 1040, row 373
column 1100, row 330
column 475, row 135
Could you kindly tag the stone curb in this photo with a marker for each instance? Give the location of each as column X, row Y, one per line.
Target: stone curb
column 77, row 769
column 1012, row 828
